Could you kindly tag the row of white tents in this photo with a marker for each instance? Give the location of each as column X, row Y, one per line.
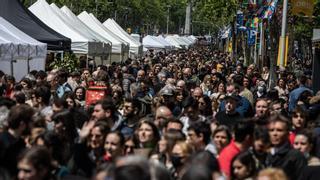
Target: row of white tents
column 88, row 36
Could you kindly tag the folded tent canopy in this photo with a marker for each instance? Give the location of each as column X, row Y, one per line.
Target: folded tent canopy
column 80, row 43
column 135, row 46
column 103, row 46
column 19, row 16
column 118, row 45
column 19, row 52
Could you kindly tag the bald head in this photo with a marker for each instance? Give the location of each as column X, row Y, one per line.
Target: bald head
column 163, row 113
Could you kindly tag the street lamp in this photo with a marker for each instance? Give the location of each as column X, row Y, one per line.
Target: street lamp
column 168, row 13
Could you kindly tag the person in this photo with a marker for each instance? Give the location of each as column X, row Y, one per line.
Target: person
column 163, row 114
column 131, row 109
column 12, row 141
column 243, row 167
column 63, row 85
column 298, row 121
column 114, row 146
column 80, row 93
column 304, row 142
column 262, row 112
column 295, row 94
column 198, row 134
column 35, row 163
column 229, row 116
column 282, row 155
column 147, row 136
column 180, row 154
column 272, row 174
column 104, row 109
column 220, row 138
column 261, row 145
column 243, row 134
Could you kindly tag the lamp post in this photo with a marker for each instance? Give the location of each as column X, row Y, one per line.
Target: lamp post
column 168, row 13
column 283, row 32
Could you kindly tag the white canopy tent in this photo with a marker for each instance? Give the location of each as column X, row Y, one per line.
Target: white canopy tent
column 151, row 43
column 19, row 53
column 72, row 20
column 193, row 38
column 136, row 37
column 135, row 46
column 165, row 42
column 174, row 42
column 80, row 44
column 119, row 46
column 181, row 41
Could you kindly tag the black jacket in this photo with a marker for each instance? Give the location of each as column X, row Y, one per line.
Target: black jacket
column 290, row 160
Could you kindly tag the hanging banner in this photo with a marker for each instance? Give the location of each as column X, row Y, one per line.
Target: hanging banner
column 270, row 8
column 304, row 7
column 285, row 51
column 251, row 37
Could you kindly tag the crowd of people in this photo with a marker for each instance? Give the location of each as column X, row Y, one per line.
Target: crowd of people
column 188, row 114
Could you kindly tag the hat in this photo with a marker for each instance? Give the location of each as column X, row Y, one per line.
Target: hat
column 166, row 92
column 234, row 97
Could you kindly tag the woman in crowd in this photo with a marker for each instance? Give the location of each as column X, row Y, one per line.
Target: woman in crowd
column 80, row 93
column 35, row 164
column 298, row 120
column 221, row 137
column 243, row 167
column 147, row 135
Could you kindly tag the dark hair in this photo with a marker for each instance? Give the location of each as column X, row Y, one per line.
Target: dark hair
column 40, row 159
column 43, row 92
column 207, row 159
column 84, row 91
column 107, row 104
column 135, row 103
column 66, row 118
column 224, row 129
column 243, row 129
column 20, row 97
column 121, row 137
column 279, row 118
column 261, row 133
column 56, row 145
column 156, row 135
column 18, row 114
column 41, row 74
column 247, row 160
column 173, row 120
column 201, row 128
column 190, row 102
column 199, row 172
column 127, row 172
column 27, row 81
column 208, row 109
column 304, row 114
column 60, row 103
column 103, row 127
column 311, row 138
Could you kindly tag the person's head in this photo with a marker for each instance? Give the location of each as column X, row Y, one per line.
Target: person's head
column 62, row 76
column 261, row 140
column 243, row 166
column 207, row 159
column 173, row 124
column 141, row 75
column 34, row 164
column 41, row 76
column 199, row 134
column 131, row 107
column 103, row 109
column 148, row 134
column 163, row 114
column 191, row 108
column 169, row 139
column 221, row 87
column 231, row 104
column 276, row 107
column 59, row 105
column 281, row 83
column 243, row 132
column 181, row 85
column 299, row 118
column 221, row 137
column 70, row 99
column 129, row 145
column 278, row 130
column 205, row 106
column 304, row 142
column 272, row 174
column 187, row 73
column 114, row 144
column 64, row 124
column 98, row 134
column 180, row 153
column 80, row 93
column 233, row 89
column 262, row 108
column 42, row 96
column 20, row 118
column 26, row 83
column 197, row 93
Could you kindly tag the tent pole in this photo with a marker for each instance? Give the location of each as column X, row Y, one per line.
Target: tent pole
column 87, row 62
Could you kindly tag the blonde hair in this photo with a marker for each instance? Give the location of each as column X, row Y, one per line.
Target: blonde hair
column 272, row 174
column 186, row 148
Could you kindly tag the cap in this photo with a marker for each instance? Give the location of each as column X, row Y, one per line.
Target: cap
column 166, row 92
